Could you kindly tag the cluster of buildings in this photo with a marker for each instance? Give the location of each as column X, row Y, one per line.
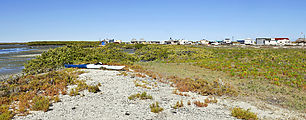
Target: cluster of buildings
column 226, row 41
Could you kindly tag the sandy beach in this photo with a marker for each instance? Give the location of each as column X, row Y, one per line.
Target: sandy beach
column 113, row 103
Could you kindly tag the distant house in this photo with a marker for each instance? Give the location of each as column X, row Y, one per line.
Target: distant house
column 249, row 41
column 183, row 42
column 204, row 42
column 241, row 41
column 172, row 42
column 227, row 41
column 134, row 41
column 154, row 42
column 118, row 41
column 271, row 41
column 111, row 40
column 106, row 41
column 262, row 41
column 301, row 40
column 282, row 41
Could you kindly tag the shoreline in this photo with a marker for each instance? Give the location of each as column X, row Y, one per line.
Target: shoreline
column 113, row 103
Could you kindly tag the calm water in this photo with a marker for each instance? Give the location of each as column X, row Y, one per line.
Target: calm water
column 12, row 57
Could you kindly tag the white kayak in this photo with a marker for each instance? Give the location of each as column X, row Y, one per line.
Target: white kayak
column 114, row 67
column 93, row 66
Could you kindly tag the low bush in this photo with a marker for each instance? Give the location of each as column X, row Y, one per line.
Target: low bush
column 243, row 114
column 5, row 114
column 40, row 103
column 141, row 96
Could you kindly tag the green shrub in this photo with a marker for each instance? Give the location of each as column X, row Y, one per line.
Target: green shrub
column 155, row 108
column 243, row 114
column 141, row 96
column 5, row 114
column 40, row 103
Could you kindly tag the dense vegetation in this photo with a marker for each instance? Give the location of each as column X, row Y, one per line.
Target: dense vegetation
column 56, row 58
column 34, row 92
column 281, row 67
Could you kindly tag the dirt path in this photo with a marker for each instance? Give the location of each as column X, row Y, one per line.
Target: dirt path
column 113, row 103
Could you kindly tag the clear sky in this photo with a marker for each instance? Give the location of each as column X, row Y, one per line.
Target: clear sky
column 27, row 20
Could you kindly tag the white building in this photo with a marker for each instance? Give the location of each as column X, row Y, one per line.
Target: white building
column 227, row 41
column 272, row 41
column 204, row 42
column 183, row 42
column 249, row 41
column 283, row 41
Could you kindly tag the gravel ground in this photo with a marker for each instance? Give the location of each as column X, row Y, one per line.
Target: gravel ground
column 113, row 103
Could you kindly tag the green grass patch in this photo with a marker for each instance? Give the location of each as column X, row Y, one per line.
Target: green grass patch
column 243, row 114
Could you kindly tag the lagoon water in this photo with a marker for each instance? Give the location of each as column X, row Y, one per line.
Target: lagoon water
column 13, row 57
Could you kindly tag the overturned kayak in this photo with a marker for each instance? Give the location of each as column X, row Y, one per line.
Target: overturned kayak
column 114, row 67
column 94, row 66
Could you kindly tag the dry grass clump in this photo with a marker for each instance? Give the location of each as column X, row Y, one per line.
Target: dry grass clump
column 94, row 88
column 140, row 75
column 32, row 92
column 189, row 102
column 155, row 108
column 243, row 114
column 40, row 103
column 74, row 92
column 5, row 113
column 141, row 96
column 123, row 74
column 210, row 99
column 200, row 86
column 203, row 87
column 178, row 104
column 179, row 93
column 143, row 85
column 56, row 99
column 200, row 104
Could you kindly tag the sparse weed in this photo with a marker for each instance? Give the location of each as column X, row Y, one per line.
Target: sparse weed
column 141, row 96
column 74, row 92
column 93, row 89
column 56, row 99
column 155, row 108
column 200, row 104
column 178, row 104
column 189, row 102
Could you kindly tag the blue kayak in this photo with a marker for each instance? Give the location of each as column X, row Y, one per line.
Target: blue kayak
column 75, row 66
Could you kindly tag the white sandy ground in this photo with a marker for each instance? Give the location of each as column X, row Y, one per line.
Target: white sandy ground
column 112, row 103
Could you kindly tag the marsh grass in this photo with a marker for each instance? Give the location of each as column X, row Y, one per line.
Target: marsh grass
column 40, row 103
column 35, row 92
column 246, row 88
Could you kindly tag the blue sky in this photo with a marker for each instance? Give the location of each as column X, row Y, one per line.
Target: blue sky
column 27, row 20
